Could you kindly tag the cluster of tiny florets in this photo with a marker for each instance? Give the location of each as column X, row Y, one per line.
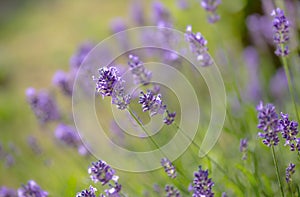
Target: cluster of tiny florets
column 140, row 74
column 171, row 191
column 198, row 46
column 202, row 185
column 289, row 132
column 280, row 32
column 211, row 6
column 169, row 167
column 268, row 123
column 290, row 170
column 31, row 189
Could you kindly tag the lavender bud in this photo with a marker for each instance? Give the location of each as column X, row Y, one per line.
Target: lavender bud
column 67, row 135
column 169, row 168
column 152, row 103
column 31, row 189
column 101, row 172
column 268, row 122
column 202, row 185
column 77, row 59
column 198, row 46
column 43, row 105
column 244, row 147
column 289, row 131
column 87, row 192
column 140, row 73
column 171, row 191
column 64, row 81
column 169, row 119
column 7, row 192
column 290, row 170
column 119, row 97
column 211, row 6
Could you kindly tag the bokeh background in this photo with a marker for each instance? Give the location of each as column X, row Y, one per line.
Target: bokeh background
column 38, row 37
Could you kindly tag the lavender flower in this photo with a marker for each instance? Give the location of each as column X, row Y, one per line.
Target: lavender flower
column 160, row 13
column 64, row 81
column 31, row 189
column 280, row 32
column 114, row 190
column 7, row 192
column 77, row 59
column 140, row 73
column 268, row 123
column 198, row 46
column 289, row 132
column 169, row 168
column 169, row 119
column 101, row 172
column 211, row 6
column 290, row 170
column 202, row 185
column 244, row 147
column 172, row 191
column 67, row 135
column 87, row 193
column 108, row 77
column 224, row 194
column 152, row 103
column 43, row 105
column 119, row 97
column 137, row 13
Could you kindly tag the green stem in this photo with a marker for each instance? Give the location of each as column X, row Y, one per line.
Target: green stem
column 208, row 157
column 291, row 89
column 277, row 170
column 290, row 189
column 141, row 125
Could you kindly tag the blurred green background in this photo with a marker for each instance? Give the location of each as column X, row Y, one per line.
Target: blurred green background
column 39, row 37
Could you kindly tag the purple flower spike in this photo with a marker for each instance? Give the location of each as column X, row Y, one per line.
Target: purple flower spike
column 160, row 13
column 77, row 59
column 290, row 170
column 7, row 192
column 67, row 135
column 198, row 46
column 31, row 189
column 171, row 191
column 289, row 132
column 119, row 97
column 280, row 32
column 87, row 193
column 43, row 105
column 202, row 185
column 151, row 102
column 268, row 123
column 140, row 73
column 169, row 119
column 108, row 77
column 244, row 148
column 211, row 6
column 64, row 81
column 169, row 168
column 101, row 172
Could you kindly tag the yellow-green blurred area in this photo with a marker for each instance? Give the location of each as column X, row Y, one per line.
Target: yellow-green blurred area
column 39, row 37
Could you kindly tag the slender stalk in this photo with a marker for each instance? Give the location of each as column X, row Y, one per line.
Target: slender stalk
column 277, row 170
column 290, row 189
column 208, row 157
column 291, row 89
column 141, row 125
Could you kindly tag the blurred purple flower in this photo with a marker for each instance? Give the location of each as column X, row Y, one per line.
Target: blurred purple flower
column 202, row 185
column 79, row 56
column 114, row 190
column 31, row 189
column 198, row 46
column 211, row 6
column 87, row 192
column 43, row 105
column 268, row 122
column 253, row 89
column 171, row 191
column 117, row 25
column 160, row 13
column 140, row 74
column 64, row 81
column 280, row 32
column 244, row 148
column 182, row 4
column 289, row 132
column 7, row 192
column 290, row 170
column 224, row 194
column 67, row 135
column 279, row 84
column 119, row 97
column 169, row 167
column 137, row 13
